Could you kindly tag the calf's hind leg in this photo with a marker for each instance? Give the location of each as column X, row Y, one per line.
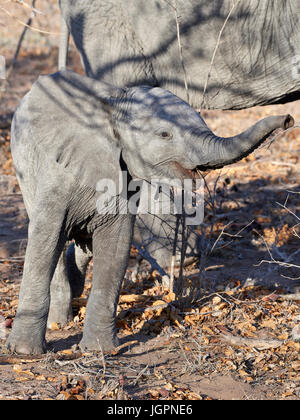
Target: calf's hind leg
column 60, row 311
column 78, row 259
column 67, row 282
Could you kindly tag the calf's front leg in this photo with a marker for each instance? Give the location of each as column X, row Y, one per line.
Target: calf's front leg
column 111, row 249
column 45, row 243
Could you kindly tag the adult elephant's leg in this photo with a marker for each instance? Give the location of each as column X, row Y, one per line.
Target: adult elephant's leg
column 60, row 311
column 78, row 258
column 46, row 240
column 111, row 249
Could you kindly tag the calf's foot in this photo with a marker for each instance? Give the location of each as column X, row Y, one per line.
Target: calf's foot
column 24, row 340
column 60, row 315
column 101, row 341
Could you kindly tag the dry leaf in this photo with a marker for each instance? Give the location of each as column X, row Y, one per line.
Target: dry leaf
column 170, row 297
column 159, row 302
column 23, row 378
column 82, row 312
column 242, row 372
column 207, row 329
column 14, row 302
column 205, row 339
column 258, row 343
column 287, row 394
column 40, row 378
column 269, row 324
column 163, row 392
column 66, row 351
column 216, row 300
column 296, row 365
column 154, row 393
column 194, row 396
column 169, row 387
column 18, row 369
column 54, row 326
column 205, row 309
column 131, row 298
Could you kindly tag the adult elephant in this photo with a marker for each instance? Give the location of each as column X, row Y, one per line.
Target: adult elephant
column 172, row 44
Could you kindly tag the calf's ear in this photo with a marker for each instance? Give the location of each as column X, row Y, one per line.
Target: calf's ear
column 68, row 99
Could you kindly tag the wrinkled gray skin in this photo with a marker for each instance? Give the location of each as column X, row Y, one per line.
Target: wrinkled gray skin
column 136, row 42
column 68, row 133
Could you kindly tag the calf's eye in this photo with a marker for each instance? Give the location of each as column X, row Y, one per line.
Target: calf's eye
column 165, row 135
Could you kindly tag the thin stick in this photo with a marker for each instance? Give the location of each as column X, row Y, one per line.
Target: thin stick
column 268, row 143
column 291, row 296
column 15, row 58
column 103, row 359
column 215, row 51
column 122, row 347
column 183, row 252
column 181, row 53
column 28, row 25
column 258, row 343
column 15, row 358
column 281, row 263
column 173, row 259
column 175, row 9
column 287, row 209
column 28, row 6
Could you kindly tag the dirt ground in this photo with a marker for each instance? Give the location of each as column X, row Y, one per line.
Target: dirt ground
column 239, row 340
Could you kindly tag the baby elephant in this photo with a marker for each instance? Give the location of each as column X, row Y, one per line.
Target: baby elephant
column 70, row 133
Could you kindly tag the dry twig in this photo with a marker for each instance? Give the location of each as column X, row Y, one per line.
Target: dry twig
column 180, row 50
column 14, row 358
column 215, row 51
column 28, row 25
column 257, row 343
column 27, row 6
column 19, row 45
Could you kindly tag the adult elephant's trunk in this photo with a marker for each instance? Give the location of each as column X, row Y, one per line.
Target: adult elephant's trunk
column 217, row 152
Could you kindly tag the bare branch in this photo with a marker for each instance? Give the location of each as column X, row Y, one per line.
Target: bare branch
column 27, row 6
column 181, row 53
column 173, row 259
column 258, row 343
column 215, row 51
column 175, row 9
column 15, row 58
column 287, row 209
column 28, row 25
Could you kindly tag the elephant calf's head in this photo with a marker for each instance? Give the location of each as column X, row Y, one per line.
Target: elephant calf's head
column 163, row 137
column 159, row 135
